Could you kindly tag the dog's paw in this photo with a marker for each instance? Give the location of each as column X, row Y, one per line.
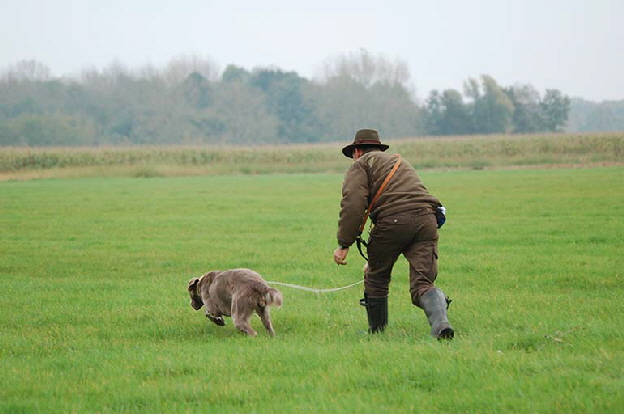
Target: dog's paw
column 217, row 320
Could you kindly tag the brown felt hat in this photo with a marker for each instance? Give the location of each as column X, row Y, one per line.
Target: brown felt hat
column 364, row 138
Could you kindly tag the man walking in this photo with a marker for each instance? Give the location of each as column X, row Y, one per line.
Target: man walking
column 406, row 219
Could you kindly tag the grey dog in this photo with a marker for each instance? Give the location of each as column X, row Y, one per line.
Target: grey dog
column 237, row 293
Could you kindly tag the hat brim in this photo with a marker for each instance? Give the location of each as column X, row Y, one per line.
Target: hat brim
column 348, row 150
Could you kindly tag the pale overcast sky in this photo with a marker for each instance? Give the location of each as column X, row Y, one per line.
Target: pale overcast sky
column 576, row 46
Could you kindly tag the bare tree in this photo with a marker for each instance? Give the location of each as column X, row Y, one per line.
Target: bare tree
column 179, row 68
column 492, row 108
column 30, row 70
column 367, row 69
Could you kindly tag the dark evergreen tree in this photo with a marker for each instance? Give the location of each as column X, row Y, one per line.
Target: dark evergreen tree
column 285, row 100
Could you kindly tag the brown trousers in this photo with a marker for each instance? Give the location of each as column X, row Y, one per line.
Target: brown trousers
column 413, row 234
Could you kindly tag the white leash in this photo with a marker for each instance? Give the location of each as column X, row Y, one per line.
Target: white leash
column 309, row 289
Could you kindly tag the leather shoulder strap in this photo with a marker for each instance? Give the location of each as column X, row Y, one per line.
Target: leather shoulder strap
column 381, row 188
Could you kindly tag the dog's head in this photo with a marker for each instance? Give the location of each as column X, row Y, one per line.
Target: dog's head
column 196, row 301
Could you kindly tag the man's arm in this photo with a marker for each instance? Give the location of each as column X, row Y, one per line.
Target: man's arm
column 340, row 255
column 353, row 205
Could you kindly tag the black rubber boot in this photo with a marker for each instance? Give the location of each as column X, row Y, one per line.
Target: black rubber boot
column 377, row 310
column 434, row 304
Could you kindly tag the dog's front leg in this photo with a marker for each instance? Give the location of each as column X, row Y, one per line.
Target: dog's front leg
column 213, row 314
column 265, row 317
column 217, row 320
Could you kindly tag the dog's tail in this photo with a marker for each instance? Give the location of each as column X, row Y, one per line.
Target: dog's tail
column 273, row 297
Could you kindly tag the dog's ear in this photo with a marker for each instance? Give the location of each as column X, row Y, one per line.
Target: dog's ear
column 192, row 285
column 196, row 302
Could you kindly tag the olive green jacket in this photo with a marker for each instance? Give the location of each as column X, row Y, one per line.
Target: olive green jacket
column 404, row 192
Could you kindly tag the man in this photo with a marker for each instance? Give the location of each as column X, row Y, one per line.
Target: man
column 406, row 223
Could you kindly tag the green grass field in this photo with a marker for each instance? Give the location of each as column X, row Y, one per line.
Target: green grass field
column 95, row 313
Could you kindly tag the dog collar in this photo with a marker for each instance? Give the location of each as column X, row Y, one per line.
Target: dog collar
column 197, row 289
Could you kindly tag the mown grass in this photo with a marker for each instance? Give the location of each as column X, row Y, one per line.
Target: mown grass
column 95, row 314
column 475, row 152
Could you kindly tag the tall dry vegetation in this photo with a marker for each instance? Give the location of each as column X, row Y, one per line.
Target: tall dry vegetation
column 474, row 152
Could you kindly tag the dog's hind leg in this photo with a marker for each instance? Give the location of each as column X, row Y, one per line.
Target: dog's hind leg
column 241, row 314
column 265, row 316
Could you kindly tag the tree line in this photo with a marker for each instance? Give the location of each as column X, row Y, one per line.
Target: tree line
column 596, row 116
column 495, row 109
column 192, row 101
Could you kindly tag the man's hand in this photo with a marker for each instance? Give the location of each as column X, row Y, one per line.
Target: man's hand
column 340, row 255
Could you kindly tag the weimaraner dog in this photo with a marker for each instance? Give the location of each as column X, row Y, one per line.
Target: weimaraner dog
column 237, row 293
